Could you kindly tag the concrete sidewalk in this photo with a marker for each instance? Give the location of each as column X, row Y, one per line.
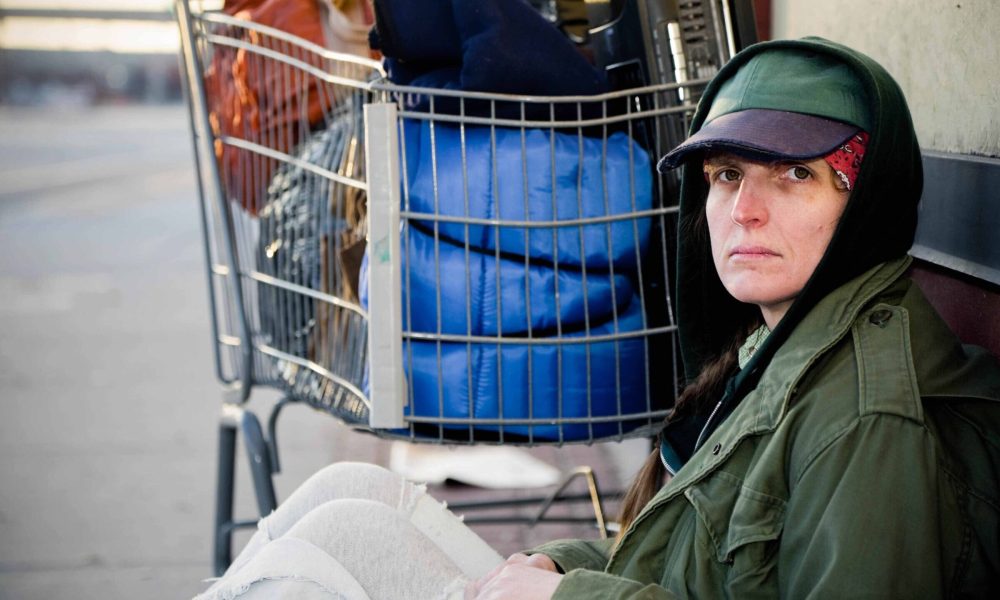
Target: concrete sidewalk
column 108, row 403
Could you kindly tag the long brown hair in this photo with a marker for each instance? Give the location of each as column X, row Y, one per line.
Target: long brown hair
column 706, row 389
column 697, row 396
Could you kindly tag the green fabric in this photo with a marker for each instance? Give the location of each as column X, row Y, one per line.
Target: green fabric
column 577, row 554
column 790, row 80
column 749, row 347
column 864, row 464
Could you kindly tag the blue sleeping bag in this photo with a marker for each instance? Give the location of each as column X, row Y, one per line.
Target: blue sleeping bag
column 463, row 380
column 541, row 186
column 471, row 291
column 467, row 381
column 561, row 283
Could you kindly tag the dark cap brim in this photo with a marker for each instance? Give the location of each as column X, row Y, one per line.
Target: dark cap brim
column 773, row 134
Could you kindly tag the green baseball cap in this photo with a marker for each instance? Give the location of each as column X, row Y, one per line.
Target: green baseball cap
column 782, row 104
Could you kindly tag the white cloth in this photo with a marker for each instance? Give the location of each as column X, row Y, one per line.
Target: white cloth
column 357, row 531
column 491, row 467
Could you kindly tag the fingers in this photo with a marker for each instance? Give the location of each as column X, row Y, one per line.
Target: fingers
column 476, row 586
column 541, row 561
column 522, row 582
column 514, row 569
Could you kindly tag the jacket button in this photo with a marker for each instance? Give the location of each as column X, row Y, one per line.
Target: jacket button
column 717, row 448
column 880, row 317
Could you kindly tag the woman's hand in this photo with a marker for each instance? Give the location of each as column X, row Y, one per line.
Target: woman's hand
column 522, row 577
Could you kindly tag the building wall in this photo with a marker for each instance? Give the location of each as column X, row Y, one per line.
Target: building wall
column 944, row 54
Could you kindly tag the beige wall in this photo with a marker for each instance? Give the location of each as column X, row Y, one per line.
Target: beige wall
column 945, row 56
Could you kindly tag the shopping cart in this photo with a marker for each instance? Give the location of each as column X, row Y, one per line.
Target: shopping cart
column 427, row 265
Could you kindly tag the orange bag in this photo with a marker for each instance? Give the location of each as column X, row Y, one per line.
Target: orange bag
column 258, row 100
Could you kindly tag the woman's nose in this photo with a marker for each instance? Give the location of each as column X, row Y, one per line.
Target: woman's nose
column 749, row 208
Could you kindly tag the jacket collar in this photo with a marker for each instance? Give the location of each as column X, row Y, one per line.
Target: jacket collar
column 764, row 406
column 828, row 322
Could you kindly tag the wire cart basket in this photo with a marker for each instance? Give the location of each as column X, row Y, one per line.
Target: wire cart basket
column 433, row 265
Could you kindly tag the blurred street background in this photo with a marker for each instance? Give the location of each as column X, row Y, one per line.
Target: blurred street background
column 108, row 403
column 106, row 389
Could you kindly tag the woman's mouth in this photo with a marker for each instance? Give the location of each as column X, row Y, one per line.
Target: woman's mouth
column 752, row 252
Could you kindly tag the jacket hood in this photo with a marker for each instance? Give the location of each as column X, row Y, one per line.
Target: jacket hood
column 878, row 223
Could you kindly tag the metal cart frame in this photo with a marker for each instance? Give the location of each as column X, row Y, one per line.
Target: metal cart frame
column 244, row 291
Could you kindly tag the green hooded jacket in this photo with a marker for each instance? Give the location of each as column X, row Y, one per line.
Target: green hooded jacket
column 860, row 454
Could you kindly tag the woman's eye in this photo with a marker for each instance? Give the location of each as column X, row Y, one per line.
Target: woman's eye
column 798, row 173
column 729, row 175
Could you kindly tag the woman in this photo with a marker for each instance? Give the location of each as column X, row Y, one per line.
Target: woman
column 814, row 451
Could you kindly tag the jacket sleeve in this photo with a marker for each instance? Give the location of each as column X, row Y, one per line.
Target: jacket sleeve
column 577, row 554
column 583, row 584
column 584, row 562
column 864, row 518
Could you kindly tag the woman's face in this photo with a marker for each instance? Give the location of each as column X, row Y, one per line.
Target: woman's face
column 770, row 224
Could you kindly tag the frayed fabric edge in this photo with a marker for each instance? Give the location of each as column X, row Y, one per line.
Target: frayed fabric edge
column 455, row 590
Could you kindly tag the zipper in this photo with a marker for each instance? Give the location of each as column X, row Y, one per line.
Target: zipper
column 701, row 436
column 663, row 460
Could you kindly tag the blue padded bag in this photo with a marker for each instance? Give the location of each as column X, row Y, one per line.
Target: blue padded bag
column 471, row 375
column 592, row 178
column 491, row 287
column 468, row 375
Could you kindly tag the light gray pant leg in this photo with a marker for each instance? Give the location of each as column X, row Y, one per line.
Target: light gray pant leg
column 426, row 523
column 289, row 567
column 384, row 551
column 356, row 550
column 334, row 482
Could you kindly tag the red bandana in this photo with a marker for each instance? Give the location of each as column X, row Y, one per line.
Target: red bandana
column 846, row 159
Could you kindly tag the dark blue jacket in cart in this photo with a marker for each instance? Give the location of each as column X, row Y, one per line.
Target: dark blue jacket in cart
column 500, row 46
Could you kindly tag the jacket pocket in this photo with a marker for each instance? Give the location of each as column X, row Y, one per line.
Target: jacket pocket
column 741, row 526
